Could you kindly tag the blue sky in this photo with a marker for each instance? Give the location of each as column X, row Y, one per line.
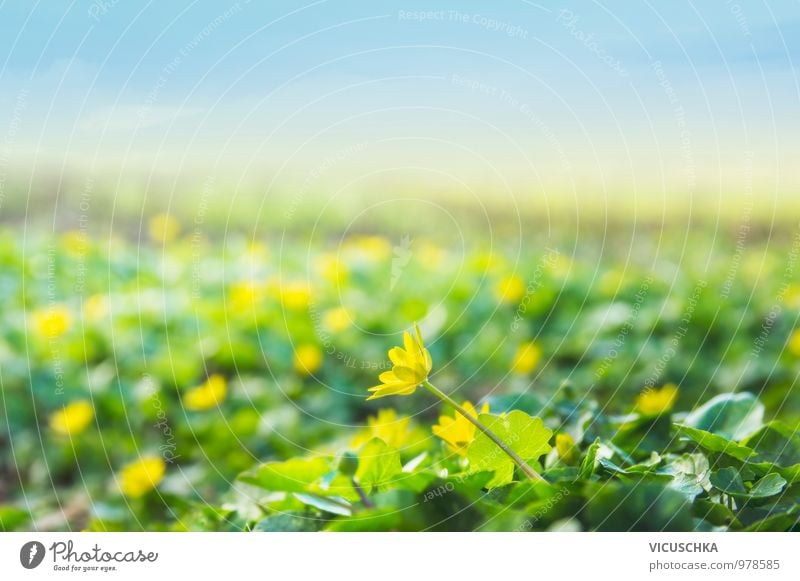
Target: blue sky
column 585, row 95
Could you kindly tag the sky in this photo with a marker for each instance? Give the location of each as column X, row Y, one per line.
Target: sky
column 576, row 98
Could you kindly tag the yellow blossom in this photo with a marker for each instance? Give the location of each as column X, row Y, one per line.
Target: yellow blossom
column 653, row 402
column 95, row 307
column 431, row 256
column 566, row 448
column 387, row 426
column 72, row 419
column 794, row 343
column 75, row 242
column 295, row 296
column 792, row 296
column 373, row 247
column 164, row 228
column 510, row 289
column 141, row 476
column 526, row 358
column 244, row 296
column 208, row 395
column 307, row 359
column 457, row 431
column 333, row 269
column 411, row 365
column 337, row 319
column 52, row 322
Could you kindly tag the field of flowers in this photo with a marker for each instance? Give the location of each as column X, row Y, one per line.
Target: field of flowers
column 187, row 383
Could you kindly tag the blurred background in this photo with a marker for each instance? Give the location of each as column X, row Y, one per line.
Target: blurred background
column 216, row 217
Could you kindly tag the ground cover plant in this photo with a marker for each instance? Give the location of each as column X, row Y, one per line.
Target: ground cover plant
column 187, row 383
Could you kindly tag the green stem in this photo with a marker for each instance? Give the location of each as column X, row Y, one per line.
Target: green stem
column 526, row 469
column 361, row 494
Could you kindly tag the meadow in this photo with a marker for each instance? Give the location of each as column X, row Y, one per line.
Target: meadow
column 167, row 378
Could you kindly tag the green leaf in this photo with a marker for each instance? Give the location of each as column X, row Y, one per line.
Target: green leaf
column 589, row 462
column 769, row 485
column 730, row 415
column 714, row 443
column 338, row 506
column 777, row 443
column 295, row 475
column 729, row 481
column 12, row 517
column 690, row 474
column 525, row 435
column 378, row 464
column 637, row 506
column 287, row 522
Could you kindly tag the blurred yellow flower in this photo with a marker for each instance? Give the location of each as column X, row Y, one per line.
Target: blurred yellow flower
column 374, row 247
column 208, row 395
column 612, row 282
column 74, row 242
column 333, row 269
column 164, row 228
column 792, row 296
column 410, row 367
column 510, row 289
column 567, row 450
column 52, row 322
column 337, row 319
column 95, row 307
column 430, row 255
column 244, row 296
column 653, row 402
column 295, row 295
column 526, row 358
column 72, row 419
column 794, row 343
column 141, row 476
column 387, row 426
column 307, row 359
column 457, row 431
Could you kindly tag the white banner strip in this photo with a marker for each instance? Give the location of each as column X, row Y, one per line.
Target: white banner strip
column 400, row 556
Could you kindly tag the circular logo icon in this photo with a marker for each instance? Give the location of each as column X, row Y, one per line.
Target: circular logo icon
column 31, row 554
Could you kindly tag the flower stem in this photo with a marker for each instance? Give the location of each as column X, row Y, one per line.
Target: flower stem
column 526, row 469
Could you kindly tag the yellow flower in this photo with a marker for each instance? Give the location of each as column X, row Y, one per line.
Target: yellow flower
column 653, row 402
column 52, row 322
column 332, row 269
column 164, row 228
column 566, row 448
column 95, row 307
column 526, row 358
column 243, row 297
column 411, row 366
column 208, row 395
column 431, row 256
column 75, row 242
column 337, row 319
column 794, row 343
column 72, row 419
column 510, row 289
column 307, row 359
column 387, row 426
column 792, row 296
column 373, row 247
column 141, row 476
column 295, row 295
column 457, row 431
